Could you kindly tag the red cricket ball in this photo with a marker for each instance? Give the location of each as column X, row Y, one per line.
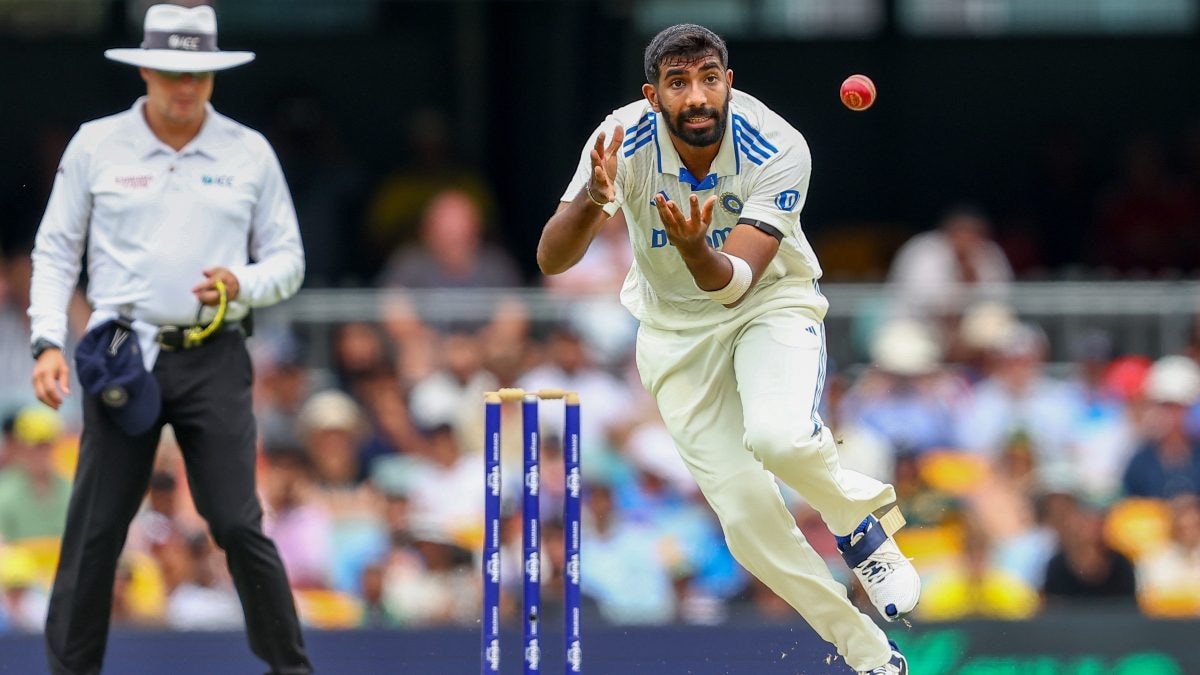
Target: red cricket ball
column 858, row 92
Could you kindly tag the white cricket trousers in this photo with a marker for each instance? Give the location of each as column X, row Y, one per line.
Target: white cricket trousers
column 740, row 401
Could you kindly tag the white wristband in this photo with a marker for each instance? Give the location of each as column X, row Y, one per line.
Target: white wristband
column 738, row 284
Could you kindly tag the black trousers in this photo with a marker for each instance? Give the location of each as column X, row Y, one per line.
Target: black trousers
column 206, row 399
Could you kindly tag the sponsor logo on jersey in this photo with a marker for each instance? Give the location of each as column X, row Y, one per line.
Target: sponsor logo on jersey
column 716, row 238
column 787, row 200
column 134, row 182
column 219, row 181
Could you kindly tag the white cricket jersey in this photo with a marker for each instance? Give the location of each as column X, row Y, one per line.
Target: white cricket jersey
column 761, row 173
column 153, row 218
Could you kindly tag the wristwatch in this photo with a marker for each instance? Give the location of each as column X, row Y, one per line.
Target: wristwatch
column 42, row 344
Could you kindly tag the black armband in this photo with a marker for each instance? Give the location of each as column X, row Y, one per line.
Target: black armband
column 763, row 227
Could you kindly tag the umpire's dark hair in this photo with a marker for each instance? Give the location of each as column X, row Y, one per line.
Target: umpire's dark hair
column 686, row 40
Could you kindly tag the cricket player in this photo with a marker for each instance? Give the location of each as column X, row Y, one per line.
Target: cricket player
column 731, row 343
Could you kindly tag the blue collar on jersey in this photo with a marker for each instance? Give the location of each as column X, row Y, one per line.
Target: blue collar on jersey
column 709, row 182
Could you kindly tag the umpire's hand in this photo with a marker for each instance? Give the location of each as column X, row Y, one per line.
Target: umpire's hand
column 206, row 291
column 52, row 378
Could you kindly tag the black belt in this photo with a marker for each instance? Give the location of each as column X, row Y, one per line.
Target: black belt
column 171, row 338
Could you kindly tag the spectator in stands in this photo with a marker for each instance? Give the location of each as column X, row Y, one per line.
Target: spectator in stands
column 1003, row 501
column 1168, row 461
column 1107, row 436
column 456, row 387
column 906, row 400
column 358, row 350
column 976, row 587
column 394, row 209
column 1169, row 580
column 1019, row 398
column 282, row 385
column 444, row 488
column 23, row 604
column 156, row 521
column 923, row 504
column 333, row 431
column 626, row 574
column 862, row 449
column 976, row 345
column 298, row 522
column 665, row 498
column 390, row 427
column 416, row 343
column 371, row 589
column 197, row 597
column 431, row 581
column 364, row 368
column 452, row 252
column 33, row 497
column 941, row 272
column 1086, row 569
column 1028, row 553
column 569, row 366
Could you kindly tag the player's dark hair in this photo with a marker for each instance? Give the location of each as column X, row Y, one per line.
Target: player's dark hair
column 682, row 41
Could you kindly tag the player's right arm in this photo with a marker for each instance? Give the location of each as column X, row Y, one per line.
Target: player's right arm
column 570, row 231
column 57, row 257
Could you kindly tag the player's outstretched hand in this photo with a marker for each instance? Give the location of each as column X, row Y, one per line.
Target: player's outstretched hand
column 684, row 232
column 604, row 165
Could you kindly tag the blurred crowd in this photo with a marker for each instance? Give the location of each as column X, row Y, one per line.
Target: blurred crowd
column 1025, row 490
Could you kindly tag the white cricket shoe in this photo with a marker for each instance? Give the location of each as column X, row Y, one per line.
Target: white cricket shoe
column 889, row 578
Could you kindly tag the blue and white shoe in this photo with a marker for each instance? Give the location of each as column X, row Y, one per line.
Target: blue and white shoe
column 897, row 665
column 889, row 578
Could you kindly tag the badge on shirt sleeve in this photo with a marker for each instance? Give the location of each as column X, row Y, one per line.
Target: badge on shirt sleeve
column 787, row 200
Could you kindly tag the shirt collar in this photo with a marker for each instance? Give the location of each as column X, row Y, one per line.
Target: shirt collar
column 726, row 163
column 149, row 145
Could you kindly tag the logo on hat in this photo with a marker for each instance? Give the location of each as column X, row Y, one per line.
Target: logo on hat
column 181, row 40
column 189, row 42
column 108, row 362
column 115, row 396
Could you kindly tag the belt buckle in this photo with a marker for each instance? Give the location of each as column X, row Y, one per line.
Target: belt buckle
column 171, row 343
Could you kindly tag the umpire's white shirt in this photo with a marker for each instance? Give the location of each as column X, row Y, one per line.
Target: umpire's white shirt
column 760, row 173
column 152, row 219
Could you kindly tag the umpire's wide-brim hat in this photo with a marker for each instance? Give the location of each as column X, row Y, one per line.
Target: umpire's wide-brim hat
column 181, row 40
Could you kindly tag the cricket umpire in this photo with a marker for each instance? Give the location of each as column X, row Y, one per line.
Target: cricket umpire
column 187, row 224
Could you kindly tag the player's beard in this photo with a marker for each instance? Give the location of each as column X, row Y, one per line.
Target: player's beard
column 702, row 138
